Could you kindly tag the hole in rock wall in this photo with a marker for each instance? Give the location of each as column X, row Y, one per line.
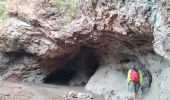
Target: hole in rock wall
column 77, row 71
column 60, row 76
column 125, row 61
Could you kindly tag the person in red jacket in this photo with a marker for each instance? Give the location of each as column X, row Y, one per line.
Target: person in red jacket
column 134, row 80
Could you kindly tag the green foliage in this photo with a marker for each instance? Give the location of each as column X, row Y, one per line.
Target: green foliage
column 3, row 13
column 67, row 7
column 89, row 2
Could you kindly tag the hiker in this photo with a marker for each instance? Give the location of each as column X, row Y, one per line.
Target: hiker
column 134, row 80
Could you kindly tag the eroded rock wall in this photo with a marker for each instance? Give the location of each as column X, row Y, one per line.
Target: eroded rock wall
column 113, row 28
column 110, row 81
column 161, row 30
column 120, row 32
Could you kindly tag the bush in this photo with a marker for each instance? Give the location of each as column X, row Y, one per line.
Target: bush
column 89, row 2
column 3, row 13
column 67, row 7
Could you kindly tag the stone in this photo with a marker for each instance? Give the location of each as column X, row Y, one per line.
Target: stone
column 78, row 95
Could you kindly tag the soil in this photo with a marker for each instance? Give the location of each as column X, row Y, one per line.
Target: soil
column 15, row 91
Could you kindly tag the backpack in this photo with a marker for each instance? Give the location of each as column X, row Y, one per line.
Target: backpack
column 134, row 76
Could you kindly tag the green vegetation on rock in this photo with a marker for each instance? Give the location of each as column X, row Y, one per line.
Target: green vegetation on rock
column 68, row 7
column 89, row 2
column 3, row 13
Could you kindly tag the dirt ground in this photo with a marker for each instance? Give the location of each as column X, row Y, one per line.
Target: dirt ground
column 15, row 91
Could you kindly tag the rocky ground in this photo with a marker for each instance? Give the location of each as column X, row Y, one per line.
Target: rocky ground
column 13, row 91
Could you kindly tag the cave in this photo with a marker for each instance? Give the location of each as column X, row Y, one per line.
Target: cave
column 76, row 71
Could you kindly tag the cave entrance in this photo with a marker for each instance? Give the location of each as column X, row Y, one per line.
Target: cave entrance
column 77, row 71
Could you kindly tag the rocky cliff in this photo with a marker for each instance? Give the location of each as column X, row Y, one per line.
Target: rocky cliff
column 42, row 39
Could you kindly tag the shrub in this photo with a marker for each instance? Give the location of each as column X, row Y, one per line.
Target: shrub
column 67, row 7
column 89, row 2
column 3, row 13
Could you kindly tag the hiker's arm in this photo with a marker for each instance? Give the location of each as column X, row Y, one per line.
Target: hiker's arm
column 141, row 78
column 128, row 77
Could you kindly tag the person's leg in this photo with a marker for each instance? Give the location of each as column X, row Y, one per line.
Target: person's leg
column 134, row 96
column 133, row 90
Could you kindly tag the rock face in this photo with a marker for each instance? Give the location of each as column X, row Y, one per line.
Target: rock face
column 16, row 67
column 38, row 38
column 110, row 81
column 159, row 70
column 161, row 30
